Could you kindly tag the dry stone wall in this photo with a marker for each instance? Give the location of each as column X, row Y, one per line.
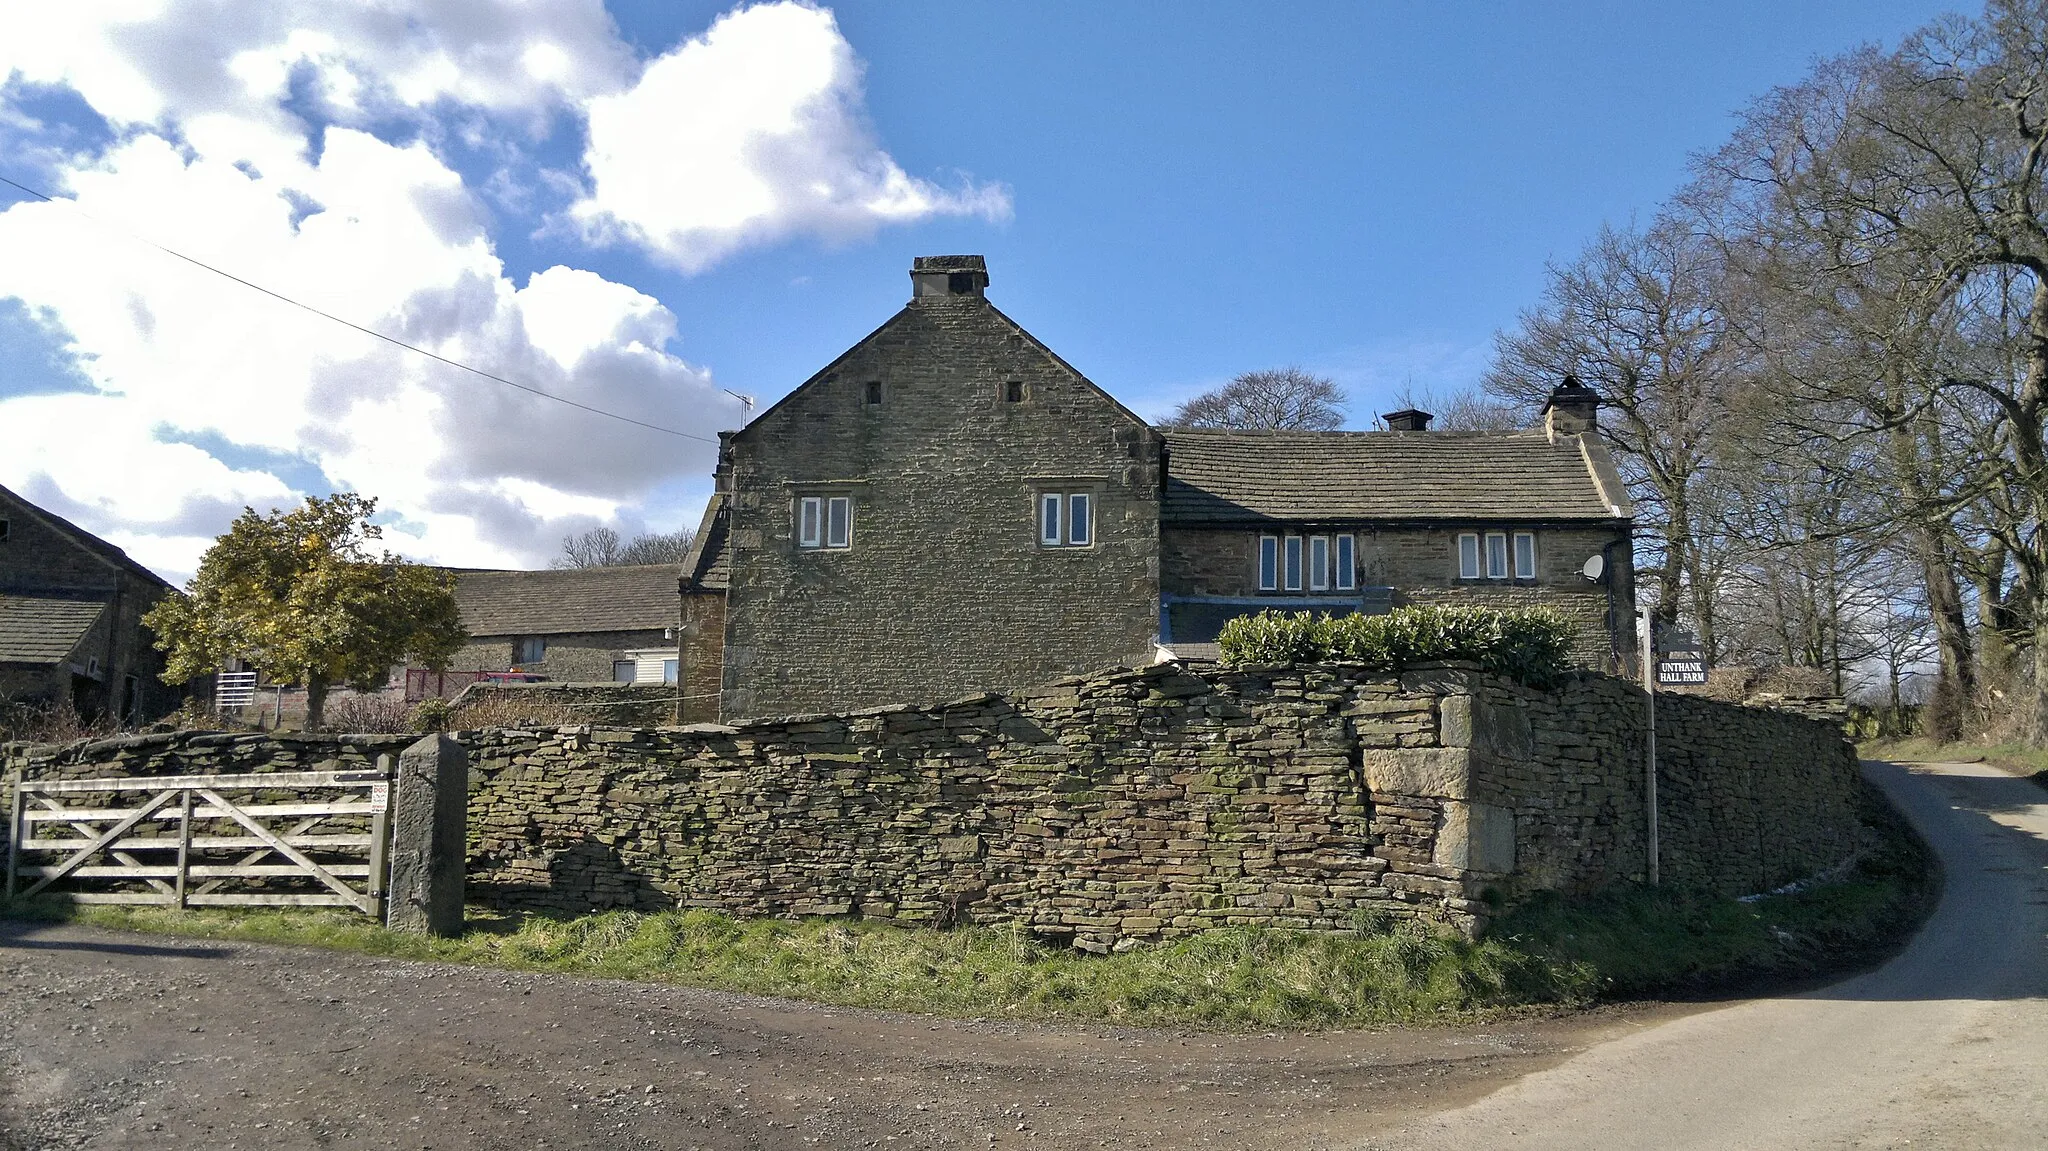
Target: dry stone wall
column 1127, row 805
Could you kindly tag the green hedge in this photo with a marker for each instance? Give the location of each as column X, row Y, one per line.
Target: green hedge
column 1532, row 645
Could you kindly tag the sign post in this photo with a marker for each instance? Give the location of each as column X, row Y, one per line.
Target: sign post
column 1647, row 646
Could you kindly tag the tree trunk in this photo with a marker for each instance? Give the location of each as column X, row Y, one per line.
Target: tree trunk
column 316, row 702
column 2031, row 453
column 1957, row 686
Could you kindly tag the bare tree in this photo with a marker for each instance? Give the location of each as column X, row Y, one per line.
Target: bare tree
column 1639, row 316
column 596, row 548
column 1465, row 410
column 658, row 548
column 602, row 548
column 1289, row 398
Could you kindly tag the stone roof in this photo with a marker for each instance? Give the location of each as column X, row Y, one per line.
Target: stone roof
column 1225, row 476
column 709, row 565
column 638, row 598
column 45, row 631
column 107, row 552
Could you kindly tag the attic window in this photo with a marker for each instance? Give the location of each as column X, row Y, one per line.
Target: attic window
column 1066, row 519
column 824, row 522
column 960, row 283
column 1013, row 392
column 874, row 392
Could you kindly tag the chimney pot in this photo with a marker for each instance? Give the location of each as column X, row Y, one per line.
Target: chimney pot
column 948, row 276
column 1407, row 420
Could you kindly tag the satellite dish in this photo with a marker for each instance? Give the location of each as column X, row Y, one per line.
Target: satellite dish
column 1595, row 568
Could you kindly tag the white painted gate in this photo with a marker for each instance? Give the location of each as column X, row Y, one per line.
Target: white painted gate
column 180, row 841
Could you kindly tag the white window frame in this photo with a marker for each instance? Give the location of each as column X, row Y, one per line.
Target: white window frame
column 1066, row 519
column 1524, row 540
column 1497, row 548
column 838, row 522
column 1319, row 563
column 1345, row 556
column 1469, row 555
column 815, row 529
column 810, row 522
column 1269, row 563
column 1290, row 562
column 632, row 667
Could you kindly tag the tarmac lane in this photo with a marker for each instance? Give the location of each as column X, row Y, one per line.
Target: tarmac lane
column 1945, row 1046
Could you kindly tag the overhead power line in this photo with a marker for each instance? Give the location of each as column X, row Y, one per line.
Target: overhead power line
column 389, row 339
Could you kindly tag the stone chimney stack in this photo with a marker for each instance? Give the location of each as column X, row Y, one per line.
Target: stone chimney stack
column 947, row 276
column 1407, row 420
column 1571, row 410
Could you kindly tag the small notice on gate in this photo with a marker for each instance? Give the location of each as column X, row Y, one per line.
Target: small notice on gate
column 380, row 795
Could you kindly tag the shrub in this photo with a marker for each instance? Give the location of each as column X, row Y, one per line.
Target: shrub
column 1532, row 645
column 432, row 715
column 368, row 713
column 511, row 708
column 48, row 721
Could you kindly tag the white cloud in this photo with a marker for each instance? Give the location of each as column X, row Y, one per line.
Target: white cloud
column 394, row 243
column 752, row 132
column 252, row 134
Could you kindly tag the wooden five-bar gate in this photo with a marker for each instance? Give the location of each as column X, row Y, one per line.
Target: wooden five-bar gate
column 307, row 838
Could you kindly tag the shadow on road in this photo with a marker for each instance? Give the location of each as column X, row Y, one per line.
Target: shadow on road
column 21, row 936
column 1985, row 940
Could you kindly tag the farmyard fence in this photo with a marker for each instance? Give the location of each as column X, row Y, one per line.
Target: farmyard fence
column 384, row 840
column 307, row 839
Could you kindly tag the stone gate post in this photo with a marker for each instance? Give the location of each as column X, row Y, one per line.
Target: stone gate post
column 429, row 820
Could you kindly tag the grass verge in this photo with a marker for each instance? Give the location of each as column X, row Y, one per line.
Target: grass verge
column 1549, row 955
column 2014, row 757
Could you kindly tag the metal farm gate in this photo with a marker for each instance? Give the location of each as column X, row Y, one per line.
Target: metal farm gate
column 307, row 838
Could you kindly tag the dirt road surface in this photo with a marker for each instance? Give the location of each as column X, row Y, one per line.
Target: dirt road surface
column 1945, row 1046
column 115, row 1040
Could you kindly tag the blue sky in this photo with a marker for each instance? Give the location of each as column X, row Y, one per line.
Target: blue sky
column 1167, row 195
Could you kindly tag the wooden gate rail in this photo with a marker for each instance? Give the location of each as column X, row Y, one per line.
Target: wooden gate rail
column 184, row 800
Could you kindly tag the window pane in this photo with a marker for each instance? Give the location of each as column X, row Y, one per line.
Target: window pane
column 1319, row 562
column 1269, row 563
column 808, row 527
column 1293, row 563
column 622, row 671
column 1049, row 520
column 1468, row 557
column 1080, row 519
column 1496, row 556
column 668, row 670
column 838, row 522
column 1347, row 564
column 1525, row 555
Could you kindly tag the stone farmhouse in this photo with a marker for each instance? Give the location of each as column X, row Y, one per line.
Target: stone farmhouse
column 71, row 607
column 581, row 625
column 949, row 508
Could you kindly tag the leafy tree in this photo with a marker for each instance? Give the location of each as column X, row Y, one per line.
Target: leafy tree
column 602, row 548
column 300, row 594
column 1276, row 398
